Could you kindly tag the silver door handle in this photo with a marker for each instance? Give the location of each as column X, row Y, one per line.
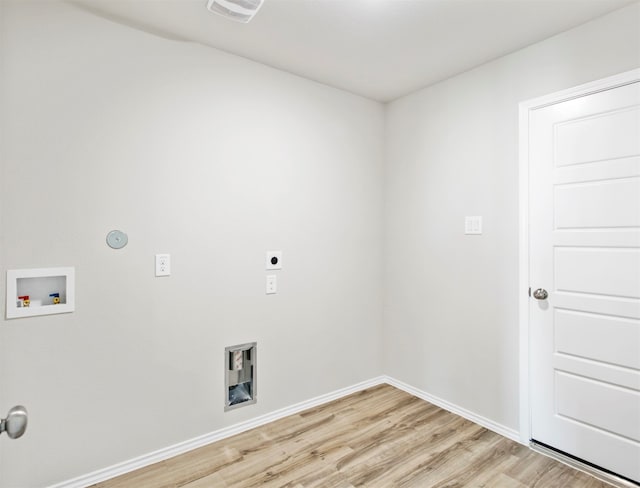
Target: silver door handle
column 540, row 294
column 16, row 422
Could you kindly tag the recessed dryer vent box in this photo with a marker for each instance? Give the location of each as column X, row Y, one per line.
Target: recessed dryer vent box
column 240, row 376
column 41, row 291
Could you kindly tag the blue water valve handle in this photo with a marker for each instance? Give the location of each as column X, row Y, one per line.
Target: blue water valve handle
column 56, row 298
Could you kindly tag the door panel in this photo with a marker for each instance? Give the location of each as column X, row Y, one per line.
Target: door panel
column 613, row 340
column 598, row 205
column 598, row 271
column 574, row 402
column 609, row 135
column 584, row 160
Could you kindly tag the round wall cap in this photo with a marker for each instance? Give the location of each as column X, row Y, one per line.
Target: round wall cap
column 116, row 239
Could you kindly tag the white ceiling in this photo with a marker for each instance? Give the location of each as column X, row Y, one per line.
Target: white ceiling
column 380, row 49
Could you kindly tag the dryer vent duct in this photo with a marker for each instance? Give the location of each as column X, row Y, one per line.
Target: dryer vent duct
column 238, row 10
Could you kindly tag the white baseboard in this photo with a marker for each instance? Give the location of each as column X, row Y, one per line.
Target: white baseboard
column 507, row 432
column 177, row 449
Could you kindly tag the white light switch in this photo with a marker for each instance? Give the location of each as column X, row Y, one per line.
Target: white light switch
column 473, row 225
column 272, row 284
column 163, row 264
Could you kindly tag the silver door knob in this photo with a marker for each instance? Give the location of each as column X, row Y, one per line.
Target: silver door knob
column 540, row 294
column 16, row 422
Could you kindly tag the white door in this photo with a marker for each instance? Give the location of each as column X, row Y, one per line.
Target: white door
column 584, row 238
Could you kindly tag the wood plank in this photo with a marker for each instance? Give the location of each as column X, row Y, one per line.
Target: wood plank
column 380, row 437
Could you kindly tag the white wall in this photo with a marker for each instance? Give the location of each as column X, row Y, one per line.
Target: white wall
column 196, row 153
column 451, row 318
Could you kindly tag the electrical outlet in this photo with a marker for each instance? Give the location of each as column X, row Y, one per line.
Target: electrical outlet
column 163, row 264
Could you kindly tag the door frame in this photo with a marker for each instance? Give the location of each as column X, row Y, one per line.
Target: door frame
column 525, row 108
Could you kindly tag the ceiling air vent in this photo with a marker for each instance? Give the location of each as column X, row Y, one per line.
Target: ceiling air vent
column 238, row 10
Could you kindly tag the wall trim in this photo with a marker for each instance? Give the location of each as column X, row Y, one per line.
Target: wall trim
column 525, row 109
column 503, row 430
column 189, row 445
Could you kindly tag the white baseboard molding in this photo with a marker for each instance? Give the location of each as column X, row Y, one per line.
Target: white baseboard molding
column 183, row 447
column 507, row 432
column 148, row 459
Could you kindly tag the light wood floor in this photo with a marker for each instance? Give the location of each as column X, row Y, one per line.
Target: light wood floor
column 380, row 437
